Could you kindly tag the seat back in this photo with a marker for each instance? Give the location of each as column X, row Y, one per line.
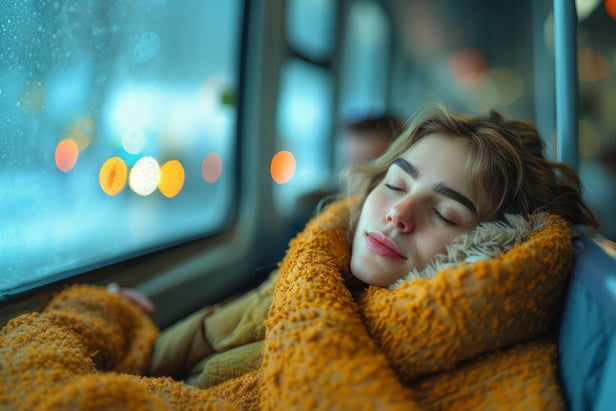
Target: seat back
column 587, row 336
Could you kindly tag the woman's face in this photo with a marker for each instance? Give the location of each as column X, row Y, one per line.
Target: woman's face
column 415, row 211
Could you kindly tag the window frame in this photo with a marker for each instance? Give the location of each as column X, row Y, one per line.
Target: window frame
column 171, row 274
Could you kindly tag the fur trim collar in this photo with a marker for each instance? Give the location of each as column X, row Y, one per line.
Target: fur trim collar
column 486, row 241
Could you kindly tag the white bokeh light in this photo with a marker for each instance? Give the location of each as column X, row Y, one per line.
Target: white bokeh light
column 144, row 176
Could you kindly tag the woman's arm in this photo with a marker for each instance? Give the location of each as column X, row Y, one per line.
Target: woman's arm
column 62, row 358
column 83, row 330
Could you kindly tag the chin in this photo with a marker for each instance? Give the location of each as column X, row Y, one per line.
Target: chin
column 369, row 280
column 360, row 275
column 371, row 274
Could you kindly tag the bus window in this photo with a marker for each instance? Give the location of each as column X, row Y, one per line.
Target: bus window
column 365, row 60
column 118, row 130
column 447, row 56
column 310, row 27
column 304, row 122
column 597, row 96
column 305, row 102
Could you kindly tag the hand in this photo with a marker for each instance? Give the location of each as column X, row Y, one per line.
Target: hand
column 141, row 301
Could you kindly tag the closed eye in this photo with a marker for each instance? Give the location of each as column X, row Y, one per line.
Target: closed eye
column 444, row 219
column 391, row 187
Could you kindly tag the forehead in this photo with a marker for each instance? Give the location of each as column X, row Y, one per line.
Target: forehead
column 440, row 152
column 439, row 159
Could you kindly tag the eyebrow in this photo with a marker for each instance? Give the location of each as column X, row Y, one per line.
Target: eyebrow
column 409, row 168
column 438, row 188
column 445, row 191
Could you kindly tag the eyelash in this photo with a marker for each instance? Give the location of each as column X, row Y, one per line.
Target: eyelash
column 392, row 188
column 442, row 218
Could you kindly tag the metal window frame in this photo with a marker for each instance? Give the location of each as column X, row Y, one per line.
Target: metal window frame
column 567, row 94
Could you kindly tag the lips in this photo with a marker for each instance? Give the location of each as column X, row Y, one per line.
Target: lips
column 381, row 245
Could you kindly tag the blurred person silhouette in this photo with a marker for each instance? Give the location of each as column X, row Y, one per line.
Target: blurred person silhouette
column 362, row 140
column 367, row 138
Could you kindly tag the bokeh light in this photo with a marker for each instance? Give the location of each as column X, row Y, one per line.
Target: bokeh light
column 548, row 33
column 144, row 176
column 283, row 167
column 592, row 65
column 82, row 132
column 211, row 167
column 585, row 8
column 171, row 178
column 509, row 85
column 32, row 99
column 610, row 8
column 112, row 176
column 589, row 139
column 468, row 65
column 66, row 155
column 133, row 140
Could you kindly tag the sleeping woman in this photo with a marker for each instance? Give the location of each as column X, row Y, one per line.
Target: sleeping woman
column 433, row 283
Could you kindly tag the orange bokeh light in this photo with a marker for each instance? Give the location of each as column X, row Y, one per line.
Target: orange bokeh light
column 610, row 7
column 171, row 178
column 283, row 167
column 211, row 168
column 112, row 176
column 66, row 155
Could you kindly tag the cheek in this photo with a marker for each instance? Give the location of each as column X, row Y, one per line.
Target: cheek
column 366, row 218
column 372, row 207
column 437, row 244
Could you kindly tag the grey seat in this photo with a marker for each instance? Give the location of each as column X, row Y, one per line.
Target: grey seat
column 587, row 336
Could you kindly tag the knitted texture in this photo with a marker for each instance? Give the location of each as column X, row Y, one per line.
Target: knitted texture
column 467, row 338
column 472, row 308
column 373, row 355
column 314, row 325
column 77, row 353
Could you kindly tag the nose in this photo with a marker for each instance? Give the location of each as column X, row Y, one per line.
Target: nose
column 400, row 215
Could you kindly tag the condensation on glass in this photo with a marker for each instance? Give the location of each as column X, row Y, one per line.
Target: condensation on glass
column 117, row 129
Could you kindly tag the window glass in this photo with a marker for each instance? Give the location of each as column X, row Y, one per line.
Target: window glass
column 597, row 123
column 365, row 60
column 472, row 56
column 310, row 27
column 303, row 123
column 117, row 129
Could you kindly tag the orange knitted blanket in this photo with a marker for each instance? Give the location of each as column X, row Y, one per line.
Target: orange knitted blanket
column 470, row 337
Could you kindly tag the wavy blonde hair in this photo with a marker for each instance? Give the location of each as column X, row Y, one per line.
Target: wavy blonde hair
column 506, row 160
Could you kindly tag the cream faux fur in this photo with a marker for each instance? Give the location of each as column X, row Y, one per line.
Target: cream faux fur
column 486, row 241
